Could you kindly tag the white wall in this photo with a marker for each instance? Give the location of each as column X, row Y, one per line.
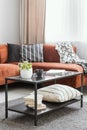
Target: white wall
column 9, row 21
column 81, row 49
column 66, row 20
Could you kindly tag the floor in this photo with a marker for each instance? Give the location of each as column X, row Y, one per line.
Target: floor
column 15, row 92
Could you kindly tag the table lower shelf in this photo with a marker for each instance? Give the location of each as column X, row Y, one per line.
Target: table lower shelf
column 21, row 108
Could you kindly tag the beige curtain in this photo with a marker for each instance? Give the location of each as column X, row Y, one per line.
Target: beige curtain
column 32, row 21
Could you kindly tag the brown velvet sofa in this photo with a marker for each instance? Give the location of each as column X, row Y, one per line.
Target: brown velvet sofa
column 51, row 61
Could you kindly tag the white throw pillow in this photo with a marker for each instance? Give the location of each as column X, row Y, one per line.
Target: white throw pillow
column 66, row 52
column 59, row 93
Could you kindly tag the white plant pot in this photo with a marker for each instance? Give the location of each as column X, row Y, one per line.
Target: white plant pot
column 26, row 73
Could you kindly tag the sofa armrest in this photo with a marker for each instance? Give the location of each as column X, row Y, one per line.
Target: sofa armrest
column 3, row 53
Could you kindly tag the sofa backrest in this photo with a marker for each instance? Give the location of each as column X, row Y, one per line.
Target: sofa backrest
column 51, row 54
column 3, row 53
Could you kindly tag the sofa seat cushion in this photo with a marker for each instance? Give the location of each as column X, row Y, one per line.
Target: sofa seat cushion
column 74, row 81
column 47, row 66
column 7, row 70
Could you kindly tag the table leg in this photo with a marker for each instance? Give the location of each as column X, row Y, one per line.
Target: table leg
column 82, row 90
column 81, row 100
column 6, row 99
column 35, row 105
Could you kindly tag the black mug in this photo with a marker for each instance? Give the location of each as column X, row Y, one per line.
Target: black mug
column 39, row 73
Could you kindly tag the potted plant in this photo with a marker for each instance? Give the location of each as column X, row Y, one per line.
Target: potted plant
column 25, row 69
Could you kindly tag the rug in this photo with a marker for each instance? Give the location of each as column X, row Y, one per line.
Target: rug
column 71, row 117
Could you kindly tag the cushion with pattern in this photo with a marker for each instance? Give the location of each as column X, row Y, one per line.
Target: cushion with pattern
column 66, row 52
column 32, row 53
column 59, row 93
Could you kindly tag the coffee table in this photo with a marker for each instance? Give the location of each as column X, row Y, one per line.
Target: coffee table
column 21, row 108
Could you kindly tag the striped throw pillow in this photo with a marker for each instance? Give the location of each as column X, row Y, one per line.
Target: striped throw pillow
column 59, row 93
column 32, row 53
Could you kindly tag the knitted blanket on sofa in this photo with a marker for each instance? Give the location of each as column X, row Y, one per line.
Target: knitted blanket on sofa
column 67, row 55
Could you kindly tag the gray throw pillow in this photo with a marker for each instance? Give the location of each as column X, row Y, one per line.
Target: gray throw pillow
column 13, row 52
column 32, row 53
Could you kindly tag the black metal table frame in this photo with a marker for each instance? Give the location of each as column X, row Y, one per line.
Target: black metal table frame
column 35, row 90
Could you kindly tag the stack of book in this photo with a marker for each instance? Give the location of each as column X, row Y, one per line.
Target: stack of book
column 54, row 72
column 30, row 102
